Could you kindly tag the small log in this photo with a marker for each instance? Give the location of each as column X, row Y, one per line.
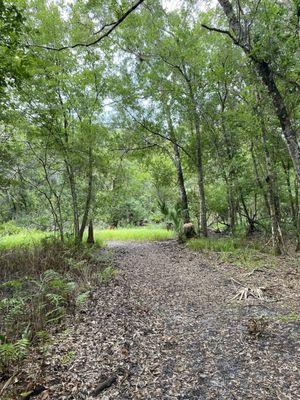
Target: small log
column 104, row 384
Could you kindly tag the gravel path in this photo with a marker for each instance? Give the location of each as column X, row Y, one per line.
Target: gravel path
column 166, row 329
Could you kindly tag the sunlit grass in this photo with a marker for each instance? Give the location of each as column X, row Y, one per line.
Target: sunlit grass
column 28, row 237
column 134, row 234
column 237, row 251
column 214, row 244
column 24, row 238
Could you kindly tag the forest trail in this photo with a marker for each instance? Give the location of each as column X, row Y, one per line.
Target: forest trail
column 165, row 328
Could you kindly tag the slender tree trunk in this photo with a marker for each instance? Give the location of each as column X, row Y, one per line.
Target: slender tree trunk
column 258, row 180
column 199, row 162
column 178, row 166
column 263, row 69
column 89, row 195
column 181, row 185
column 90, row 238
column 250, row 220
column 72, row 182
column 203, row 220
column 70, row 172
column 286, row 169
column 277, row 238
column 297, row 208
column 231, row 173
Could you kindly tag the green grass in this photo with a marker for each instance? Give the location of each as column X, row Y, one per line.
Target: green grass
column 237, row 251
column 292, row 317
column 219, row 245
column 134, row 234
column 24, row 238
column 28, row 238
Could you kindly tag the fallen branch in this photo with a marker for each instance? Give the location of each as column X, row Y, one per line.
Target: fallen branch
column 253, row 271
column 104, row 384
column 7, row 383
column 246, row 292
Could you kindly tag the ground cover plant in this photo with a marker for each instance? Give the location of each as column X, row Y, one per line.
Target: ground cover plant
column 40, row 285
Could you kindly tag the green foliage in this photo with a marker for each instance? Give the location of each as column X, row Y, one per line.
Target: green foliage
column 292, row 317
column 214, row 244
column 67, row 358
column 9, row 228
column 11, row 57
column 12, row 237
column 237, row 251
column 48, row 282
column 13, row 352
column 139, row 234
column 107, row 274
column 82, row 298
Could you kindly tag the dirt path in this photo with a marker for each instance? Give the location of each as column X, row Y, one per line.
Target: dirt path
column 166, row 329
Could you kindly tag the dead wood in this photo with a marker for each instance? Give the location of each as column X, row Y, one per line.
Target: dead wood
column 104, row 384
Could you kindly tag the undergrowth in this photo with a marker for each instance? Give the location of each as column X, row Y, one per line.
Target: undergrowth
column 238, row 251
column 40, row 285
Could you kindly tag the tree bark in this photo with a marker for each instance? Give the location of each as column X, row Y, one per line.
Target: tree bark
column 178, row 166
column 199, row 162
column 90, row 238
column 72, row 182
column 89, row 195
column 203, row 220
column 277, row 238
column 264, row 71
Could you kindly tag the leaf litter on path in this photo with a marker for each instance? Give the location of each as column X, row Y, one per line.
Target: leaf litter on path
column 165, row 329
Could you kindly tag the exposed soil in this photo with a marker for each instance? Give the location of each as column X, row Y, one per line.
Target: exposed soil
column 167, row 328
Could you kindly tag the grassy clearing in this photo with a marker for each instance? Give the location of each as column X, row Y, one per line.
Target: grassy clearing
column 30, row 238
column 24, row 238
column 134, row 234
column 249, row 254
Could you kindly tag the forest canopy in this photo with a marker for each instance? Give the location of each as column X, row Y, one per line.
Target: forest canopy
column 127, row 113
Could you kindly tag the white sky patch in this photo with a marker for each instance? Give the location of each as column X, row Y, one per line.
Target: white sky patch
column 203, row 5
column 171, row 5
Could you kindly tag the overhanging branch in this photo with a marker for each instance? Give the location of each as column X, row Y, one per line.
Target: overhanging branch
column 226, row 32
column 112, row 26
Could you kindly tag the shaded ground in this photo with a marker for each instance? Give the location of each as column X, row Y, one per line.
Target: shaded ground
column 167, row 329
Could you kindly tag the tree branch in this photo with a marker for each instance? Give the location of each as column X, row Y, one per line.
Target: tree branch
column 150, row 130
column 112, row 25
column 211, row 28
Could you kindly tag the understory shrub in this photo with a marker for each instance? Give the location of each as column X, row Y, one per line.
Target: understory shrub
column 40, row 285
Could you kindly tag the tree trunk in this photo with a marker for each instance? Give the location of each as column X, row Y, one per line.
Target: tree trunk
column 263, row 69
column 258, row 180
column 232, row 203
column 286, row 168
column 277, row 239
column 90, row 238
column 178, row 166
column 203, row 221
column 88, row 197
column 72, row 182
column 199, row 163
column 297, row 207
column 250, row 219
